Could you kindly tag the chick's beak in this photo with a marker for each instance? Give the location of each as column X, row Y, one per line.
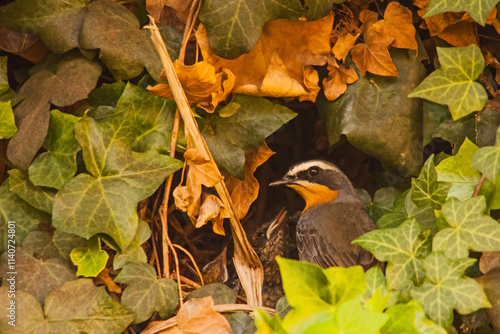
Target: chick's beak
column 279, row 223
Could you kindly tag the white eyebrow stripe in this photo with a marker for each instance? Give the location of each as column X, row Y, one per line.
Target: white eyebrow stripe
column 306, row 165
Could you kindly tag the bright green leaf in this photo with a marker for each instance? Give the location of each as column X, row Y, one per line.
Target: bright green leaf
column 408, row 318
column 469, row 229
column 345, row 283
column 426, row 189
column 446, row 288
column 266, row 324
column 57, row 166
column 8, row 127
column 34, row 276
column 229, row 137
column 90, row 260
column 454, row 83
column 376, row 281
column 478, row 10
column 404, row 248
column 392, row 129
column 487, row 160
column 145, row 294
column 457, row 170
column 235, row 26
column 38, row 197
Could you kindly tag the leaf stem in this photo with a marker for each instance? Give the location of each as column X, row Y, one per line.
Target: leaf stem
column 479, row 185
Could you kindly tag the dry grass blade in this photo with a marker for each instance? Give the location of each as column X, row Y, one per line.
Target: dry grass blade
column 246, row 260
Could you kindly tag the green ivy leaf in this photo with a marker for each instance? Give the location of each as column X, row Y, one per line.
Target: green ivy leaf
column 56, row 22
column 409, row 318
column 376, row 281
column 235, row 26
column 469, row 229
column 229, row 137
column 426, row 189
column 267, row 324
column 14, row 208
column 403, row 247
column 220, row 293
column 383, row 201
column 57, row 166
column 35, row 276
column 457, row 170
column 345, row 283
column 392, row 130
column 90, row 260
column 134, row 252
column 107, row 94
column 38, row 197
column 478, row 10
column 446, row 288
column 487, row 160
column 145, row 294
column 454, row 83
column 8, row 127
column 317, row 9
column 45, row 246
column 27, row 308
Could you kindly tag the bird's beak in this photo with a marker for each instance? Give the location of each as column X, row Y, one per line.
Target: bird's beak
column 283, row 181
column 278, row 223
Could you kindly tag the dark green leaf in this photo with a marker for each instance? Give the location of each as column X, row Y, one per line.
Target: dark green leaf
column 235, row 26
column 316, row 9
column 134, row 252
column 145, row 294
column 403, row 247
column 44, row 246
column 220, row 293
column 38, row 197
column 446, row 288
column 453, row 83
column 57, row 166
column 229, row 137
column 106, row 95
column 377, row 116
column 487, row 160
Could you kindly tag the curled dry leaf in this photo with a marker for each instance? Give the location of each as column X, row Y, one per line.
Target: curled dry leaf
column 243, row 193
column 338, row 78
column 197, row 316
column 278, row 63
column 201, row 84
column 399, row 25
column 212, row 209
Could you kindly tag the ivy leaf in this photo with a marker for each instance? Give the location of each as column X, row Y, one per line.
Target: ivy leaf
column 107, row 94
column 80, row 307
column 229, row 137
column 134, row 252
column 145, row 294
column 446, row 288
column 409, row 318
column 4, row 80
column 220, row 293
column 404, row 248
column 45, row 246
column 56, row 22
column 267, row 324
column 27, row 308
column 383, row 201
column 453, row 84
column 426, row 189
column 38, row 197
column 57, row 166
column 469, row 229
column 478, row 10
column 13, row 208
column 8, row 127
column 68, row 80
column 487, row 160
column 316, row 9
column 345, row 283
column 35, row 276
column 457, row 170
column 234, row 27
column 90, row 260
column 391, row 111
column 376, row 281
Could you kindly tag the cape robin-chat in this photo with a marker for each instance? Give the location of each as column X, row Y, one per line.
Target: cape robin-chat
column 332, row 218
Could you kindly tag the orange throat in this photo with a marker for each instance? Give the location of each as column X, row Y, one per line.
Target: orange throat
column 314, row 194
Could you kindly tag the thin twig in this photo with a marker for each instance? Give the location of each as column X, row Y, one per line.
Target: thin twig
column 193, row 14
column 479, row 185
column 224, row 308
column 192, row 260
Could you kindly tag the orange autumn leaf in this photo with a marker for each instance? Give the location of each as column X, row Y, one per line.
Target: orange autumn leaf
column 243, row 193
column 278, row 63
column 201, row 84
column 202, row 171
column 373, row 55
column 399, row 25
column 197, row 316
column 338, row 78
column 344, row 44
column 212, row 209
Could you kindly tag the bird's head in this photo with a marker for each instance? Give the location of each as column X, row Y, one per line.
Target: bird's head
column 316, row 181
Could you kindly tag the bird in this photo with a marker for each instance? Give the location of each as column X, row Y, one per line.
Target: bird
column 332, row 218
column 269, row 240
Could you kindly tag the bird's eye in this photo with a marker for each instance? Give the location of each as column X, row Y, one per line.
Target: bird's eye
column 313, row 171
column 261, row 235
